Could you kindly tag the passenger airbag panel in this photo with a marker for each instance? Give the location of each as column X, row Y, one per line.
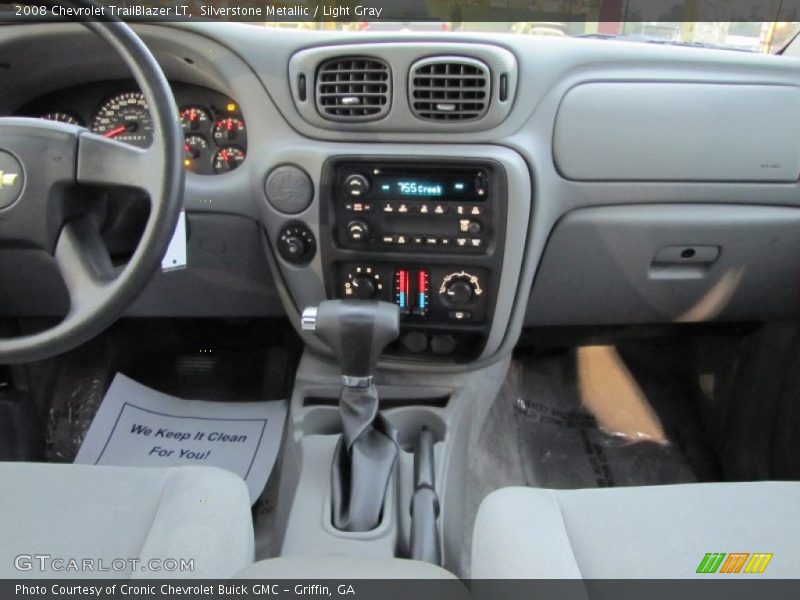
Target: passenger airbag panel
column 678, row 132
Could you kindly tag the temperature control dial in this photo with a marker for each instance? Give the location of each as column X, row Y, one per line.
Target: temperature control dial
column 363, row 283
column 458, row 289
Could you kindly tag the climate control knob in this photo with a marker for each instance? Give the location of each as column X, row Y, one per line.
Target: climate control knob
column 362, row 283
column 459, row 292
column 458, row 289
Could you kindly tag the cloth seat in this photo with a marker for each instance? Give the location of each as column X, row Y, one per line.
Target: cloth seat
column 658, row 532
column 342, row 568
column 95, row 513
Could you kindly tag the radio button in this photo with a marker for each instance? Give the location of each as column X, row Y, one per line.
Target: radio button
column 445, row 241
column 356, row 185
column 418, row 240
column 403, row 208
column 388, row 239
column 476, row 242
column 474, row 227
column 461, row 241
column 432, row 241
column 440, row 209
column 401, row 239
column 423, row 209
column 388, row 208
column 357, row 231
column 476, row 211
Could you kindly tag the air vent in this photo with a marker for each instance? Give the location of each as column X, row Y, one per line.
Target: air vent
column 353, row 89
column 449, row 89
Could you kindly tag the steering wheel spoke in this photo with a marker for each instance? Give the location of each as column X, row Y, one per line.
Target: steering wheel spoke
column 84, row 263
column 103, row 161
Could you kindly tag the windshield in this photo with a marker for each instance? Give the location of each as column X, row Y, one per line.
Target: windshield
column 752, row 36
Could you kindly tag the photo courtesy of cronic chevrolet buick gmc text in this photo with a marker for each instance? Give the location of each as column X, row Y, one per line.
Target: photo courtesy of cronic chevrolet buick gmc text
column 401, row 299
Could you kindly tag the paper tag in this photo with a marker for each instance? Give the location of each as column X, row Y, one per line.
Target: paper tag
column 175, row 258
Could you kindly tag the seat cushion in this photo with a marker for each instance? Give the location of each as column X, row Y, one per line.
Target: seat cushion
column 342, row 568
column 635, row 532
column 91, row 512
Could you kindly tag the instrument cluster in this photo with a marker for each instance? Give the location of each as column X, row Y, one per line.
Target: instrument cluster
column 215, row 133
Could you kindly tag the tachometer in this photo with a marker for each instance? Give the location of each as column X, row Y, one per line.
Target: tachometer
column 227, row 159
column 62, row 117
column 125, row 117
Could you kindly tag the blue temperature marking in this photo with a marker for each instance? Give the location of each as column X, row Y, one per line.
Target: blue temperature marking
column 402, row 299
column 422, row 300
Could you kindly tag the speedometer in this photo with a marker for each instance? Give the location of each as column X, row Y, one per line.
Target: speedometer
column 125, row 117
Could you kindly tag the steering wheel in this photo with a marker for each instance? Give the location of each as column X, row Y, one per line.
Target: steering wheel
column 43, row 164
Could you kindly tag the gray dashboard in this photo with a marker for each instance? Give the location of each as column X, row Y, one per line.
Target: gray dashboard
column 571, row 139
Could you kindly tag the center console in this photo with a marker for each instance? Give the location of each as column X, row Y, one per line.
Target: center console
column 425, row 234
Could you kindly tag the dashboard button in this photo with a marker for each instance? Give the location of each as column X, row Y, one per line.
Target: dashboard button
column 357, row 231
column 460, row 315
column 356, row 185
column 440, row 209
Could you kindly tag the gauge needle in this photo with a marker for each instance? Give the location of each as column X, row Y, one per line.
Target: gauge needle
column 116, row 131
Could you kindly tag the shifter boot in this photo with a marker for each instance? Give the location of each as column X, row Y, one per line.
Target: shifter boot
column 363, row 461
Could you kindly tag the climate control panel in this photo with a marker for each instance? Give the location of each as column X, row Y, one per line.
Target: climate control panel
column 435, row 295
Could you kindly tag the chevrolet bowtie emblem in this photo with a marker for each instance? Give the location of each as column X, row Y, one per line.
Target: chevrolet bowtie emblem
column 7, row 179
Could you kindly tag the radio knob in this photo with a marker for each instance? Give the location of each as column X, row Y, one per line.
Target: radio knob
column 459, row 292
column 357, row 231
column 356, row 185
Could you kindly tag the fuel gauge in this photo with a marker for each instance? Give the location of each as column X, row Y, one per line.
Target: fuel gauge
column 227, row 159
column 195, row 147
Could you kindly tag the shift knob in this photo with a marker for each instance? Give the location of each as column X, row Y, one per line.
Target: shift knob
column 357, row 332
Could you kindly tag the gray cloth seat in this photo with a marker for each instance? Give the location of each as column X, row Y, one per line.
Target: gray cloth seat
column 91, row 512
column 660, row 532
column 342, row 568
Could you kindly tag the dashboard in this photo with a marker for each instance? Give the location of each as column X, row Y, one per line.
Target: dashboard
column 215, row 133
column 621, row 182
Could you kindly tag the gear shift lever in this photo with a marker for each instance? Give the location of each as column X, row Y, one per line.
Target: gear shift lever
column 357, row 332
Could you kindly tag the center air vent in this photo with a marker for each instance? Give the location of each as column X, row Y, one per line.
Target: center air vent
column 353, row 89
column 449, row 89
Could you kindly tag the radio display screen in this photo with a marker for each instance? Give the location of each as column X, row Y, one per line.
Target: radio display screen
column 468, row 187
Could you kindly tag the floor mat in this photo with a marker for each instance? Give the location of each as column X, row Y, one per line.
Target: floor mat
column 140, row 427
column 601, row 416
column 201, row 359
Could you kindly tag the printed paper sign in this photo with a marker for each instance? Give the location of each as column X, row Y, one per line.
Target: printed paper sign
column 138, row 426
